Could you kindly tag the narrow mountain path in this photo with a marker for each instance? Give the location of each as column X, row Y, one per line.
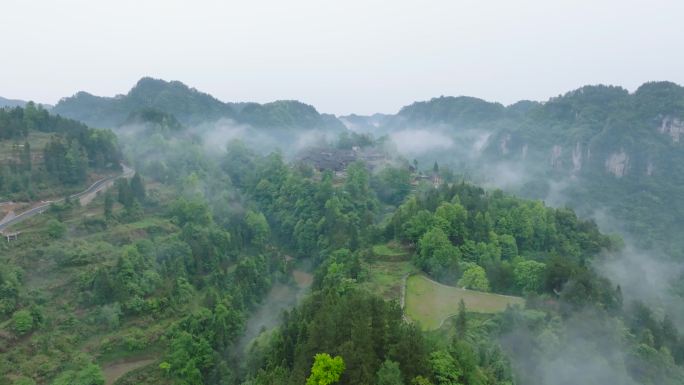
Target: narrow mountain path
column 84, row 197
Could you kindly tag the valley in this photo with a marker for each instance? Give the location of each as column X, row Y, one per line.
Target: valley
column 196, row 252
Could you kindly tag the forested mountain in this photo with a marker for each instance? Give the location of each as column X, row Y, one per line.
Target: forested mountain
column 164, row 275
column 11, row 102
column 222, row 262
column 43, row 154
column 190, row 107
column 600, row 149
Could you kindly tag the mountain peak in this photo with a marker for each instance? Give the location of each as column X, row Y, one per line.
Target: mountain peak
column 462, row 109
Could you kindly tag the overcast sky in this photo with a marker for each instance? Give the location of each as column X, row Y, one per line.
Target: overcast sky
column 341, row 56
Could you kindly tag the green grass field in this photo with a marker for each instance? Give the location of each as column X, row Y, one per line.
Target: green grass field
column 430, row 303
column 388, row 251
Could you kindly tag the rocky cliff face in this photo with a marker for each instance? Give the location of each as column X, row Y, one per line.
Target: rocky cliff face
column 599, row 147
column 577, row 158
column 504, row 144
column 617, row 163
column 674, row 127
column 556, row 153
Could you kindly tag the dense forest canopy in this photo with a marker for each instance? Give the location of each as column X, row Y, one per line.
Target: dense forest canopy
column 223, row 263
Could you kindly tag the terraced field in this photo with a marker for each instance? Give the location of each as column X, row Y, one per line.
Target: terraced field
column 389, row 266
column 430, row 303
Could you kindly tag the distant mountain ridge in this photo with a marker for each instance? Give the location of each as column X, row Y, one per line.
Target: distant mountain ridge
column 190, row 107
column 10, row 103
column 4, row 102
column 597, row 148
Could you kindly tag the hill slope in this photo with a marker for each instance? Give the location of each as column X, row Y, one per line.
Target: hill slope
column 600, row 149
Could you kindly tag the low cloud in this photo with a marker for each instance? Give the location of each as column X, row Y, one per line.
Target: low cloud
column 649, row 277
column 420, row 141
column 584, row 349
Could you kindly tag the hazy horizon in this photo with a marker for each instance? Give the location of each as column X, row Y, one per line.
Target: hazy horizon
column 351, row 57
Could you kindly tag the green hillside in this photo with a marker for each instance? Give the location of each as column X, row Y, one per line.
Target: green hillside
column 606, row 152
column 231, row 266
column 43, row 155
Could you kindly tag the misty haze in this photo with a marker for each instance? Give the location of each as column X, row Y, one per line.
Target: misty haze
column 308, row 193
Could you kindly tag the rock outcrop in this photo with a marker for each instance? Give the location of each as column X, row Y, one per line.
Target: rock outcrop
column 673, row 127
column 617, row 163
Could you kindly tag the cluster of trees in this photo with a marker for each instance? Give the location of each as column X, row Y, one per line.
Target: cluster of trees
column 491, row 240
column 71, row 152
column 462, row 234
column 131, row 194
column 203, row 253
column 589, row 124
column 310, row 217
column 67, row 161
column 197, row 267
column 17, row 122
column 392, row 185
column 371, row 338
column 350, row 139
column 10, row 282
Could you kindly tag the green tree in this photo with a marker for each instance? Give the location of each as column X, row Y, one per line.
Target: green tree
column 418, row 224
column 326, row 370
column 134, row 211
column 356, row 183
column 227, row 325
column 437, row 255
column 76, row 161
column 56, row 229
column 258, row 228
column 188, row 357
column 22, row 322
column 124, row 193
column 108, row 205
column 194, row 211
column 420, row 380
column 389, row 374
column 26, row 157
column 475, row 278
column 509, row 248
column 138, row 188
column 445, row 370
column 455, row 216
column 461, row 319
column 529, row 275
column 392, row 185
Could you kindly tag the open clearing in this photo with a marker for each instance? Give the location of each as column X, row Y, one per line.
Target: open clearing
column 430, row 303
column 116, row 370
